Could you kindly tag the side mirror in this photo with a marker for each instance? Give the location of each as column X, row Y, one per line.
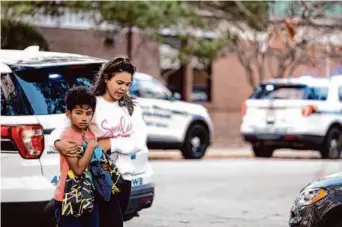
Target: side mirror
column 176, row 96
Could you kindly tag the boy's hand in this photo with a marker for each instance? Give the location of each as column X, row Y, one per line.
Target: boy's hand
column 105, row 166
column 92, row 143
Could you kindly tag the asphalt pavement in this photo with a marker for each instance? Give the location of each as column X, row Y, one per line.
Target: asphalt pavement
column 240, row 191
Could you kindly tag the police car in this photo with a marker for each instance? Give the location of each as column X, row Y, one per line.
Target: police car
column 171, row 123
column 31, row 107
column 33, row 87
column 298, row 113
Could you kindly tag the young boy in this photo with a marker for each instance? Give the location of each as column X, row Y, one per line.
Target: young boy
column 80, row 105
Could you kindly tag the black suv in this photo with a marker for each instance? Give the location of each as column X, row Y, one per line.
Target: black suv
column 319, row 204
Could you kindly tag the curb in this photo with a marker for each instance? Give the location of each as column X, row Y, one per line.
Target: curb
column 230, row 153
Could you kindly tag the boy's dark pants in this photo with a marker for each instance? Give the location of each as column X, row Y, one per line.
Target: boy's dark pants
column 111, row 213
column 91, row 220
column 106, row 214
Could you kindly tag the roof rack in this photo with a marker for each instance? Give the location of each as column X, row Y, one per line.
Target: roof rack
column 32, row 49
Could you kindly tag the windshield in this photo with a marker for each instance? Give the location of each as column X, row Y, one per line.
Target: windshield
column 149, row 88
column 45, row 88
column 293, row 92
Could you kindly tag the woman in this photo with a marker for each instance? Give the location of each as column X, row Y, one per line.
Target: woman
column 119, row 126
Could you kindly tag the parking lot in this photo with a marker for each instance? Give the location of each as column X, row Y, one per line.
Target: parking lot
column 230, row 192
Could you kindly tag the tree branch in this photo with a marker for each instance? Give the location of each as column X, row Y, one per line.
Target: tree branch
column 248, row 13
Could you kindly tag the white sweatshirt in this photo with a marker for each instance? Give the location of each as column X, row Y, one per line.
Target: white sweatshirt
column 127, row 133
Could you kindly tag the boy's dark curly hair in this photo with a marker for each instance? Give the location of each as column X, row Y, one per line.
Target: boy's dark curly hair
column 79, row 95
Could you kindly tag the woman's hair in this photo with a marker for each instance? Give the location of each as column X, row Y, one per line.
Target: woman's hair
column 107, row 71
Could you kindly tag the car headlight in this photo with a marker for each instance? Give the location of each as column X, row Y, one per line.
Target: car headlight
column 311, row 196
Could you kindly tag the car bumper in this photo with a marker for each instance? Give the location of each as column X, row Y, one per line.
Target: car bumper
column 304, row 216
column 142, row 192
column 141, row 198
column 285, row 140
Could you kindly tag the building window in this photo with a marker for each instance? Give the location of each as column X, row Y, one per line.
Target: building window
column 201, row 88
column 295, row 8
column 172, row 72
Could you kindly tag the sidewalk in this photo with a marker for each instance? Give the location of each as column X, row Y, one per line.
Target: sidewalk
column 239, row 152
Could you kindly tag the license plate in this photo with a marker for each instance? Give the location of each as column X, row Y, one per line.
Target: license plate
column 269, row 137
column 270, row 130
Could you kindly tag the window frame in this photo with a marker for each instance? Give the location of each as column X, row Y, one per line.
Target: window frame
column 18, row 76
column 154, row 82
column 22, row 106
column 260, row 90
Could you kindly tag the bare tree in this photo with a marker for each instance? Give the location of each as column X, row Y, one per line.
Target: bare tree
column 277, row 46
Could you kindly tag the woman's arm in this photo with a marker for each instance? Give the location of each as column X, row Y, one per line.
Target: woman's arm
column 66, row 147
column 139, row 135
column 78, row 165
column 137, row 139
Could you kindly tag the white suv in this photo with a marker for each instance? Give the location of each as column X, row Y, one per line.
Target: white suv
column 300, row 113
column 33, row 86
column 172, row 124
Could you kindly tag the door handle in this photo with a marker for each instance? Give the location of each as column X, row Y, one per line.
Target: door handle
column 159, row 108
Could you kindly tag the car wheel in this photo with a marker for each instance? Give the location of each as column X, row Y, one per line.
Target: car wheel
column 332, row 145
column 263, row 151
column 196, row 142
column 338, row 223
column 333, row 222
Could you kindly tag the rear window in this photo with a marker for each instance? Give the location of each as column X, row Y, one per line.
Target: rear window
column 45, row 88
column 317, row 93
column 293, row 92
column 340, row 94
column 13, row 99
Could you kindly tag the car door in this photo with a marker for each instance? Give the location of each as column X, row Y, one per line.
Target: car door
column 161, row 115
column 339, row 103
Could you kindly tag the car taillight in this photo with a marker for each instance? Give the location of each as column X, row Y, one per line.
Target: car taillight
column 29, row 139
column 308, row 110
column 244, row 109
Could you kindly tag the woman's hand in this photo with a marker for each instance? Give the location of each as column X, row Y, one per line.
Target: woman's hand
column 105, row 144
column 67, row 147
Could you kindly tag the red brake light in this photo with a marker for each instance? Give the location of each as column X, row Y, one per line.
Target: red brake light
column 308, row 110
column 5, row 131
column 29, row 139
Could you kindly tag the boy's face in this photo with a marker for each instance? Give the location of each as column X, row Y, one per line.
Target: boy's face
column 80, row 116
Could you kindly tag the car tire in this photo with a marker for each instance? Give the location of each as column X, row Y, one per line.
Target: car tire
column 263, row 151
column 332, row 146
column 338, row 223
column 196, row 142
column 333, row 222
